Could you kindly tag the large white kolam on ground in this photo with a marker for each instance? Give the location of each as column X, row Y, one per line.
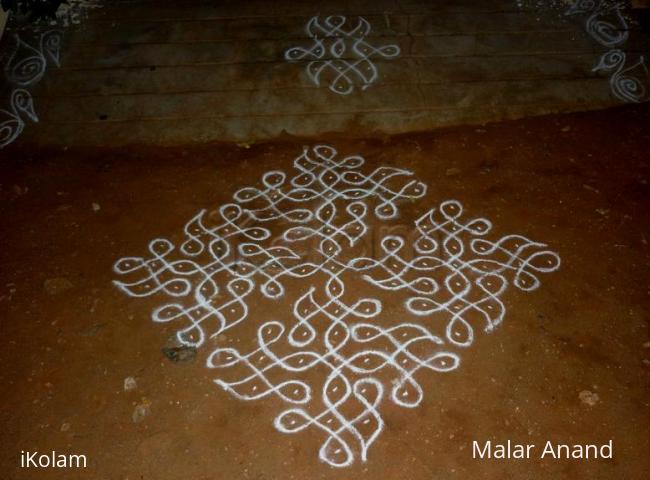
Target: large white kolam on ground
column 338, row 355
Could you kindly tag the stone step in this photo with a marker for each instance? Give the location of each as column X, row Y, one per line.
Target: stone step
column 252, row 76
column 250, row 129
column 297, row 101
column 141, row 55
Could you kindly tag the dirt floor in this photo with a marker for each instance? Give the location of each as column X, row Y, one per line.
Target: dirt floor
column 569, row 363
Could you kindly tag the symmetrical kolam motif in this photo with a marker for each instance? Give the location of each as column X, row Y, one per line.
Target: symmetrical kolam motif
column 365, row 322
column 341, row 54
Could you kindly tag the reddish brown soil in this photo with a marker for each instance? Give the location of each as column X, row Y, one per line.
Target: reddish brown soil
column 579, row 183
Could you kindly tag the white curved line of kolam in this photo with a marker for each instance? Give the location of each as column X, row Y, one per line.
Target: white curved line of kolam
column 359, row 186
column 25, row 71
column 229, row 314
column 327, row 230
column 606, row 33
column 268, row 329
column 490, row 279
column 625, row 87
column 20, row 103
column 346, row 71
column 341, row 361
column 334, row 27
column 445, row 362
column 318, row 178
column 27, row 64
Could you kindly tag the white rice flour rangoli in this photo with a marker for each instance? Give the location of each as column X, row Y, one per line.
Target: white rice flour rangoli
column 341, row 54
column 24, row 68
column 339, row 354
column 606, row 24
column 13, row 124
column 28, row 64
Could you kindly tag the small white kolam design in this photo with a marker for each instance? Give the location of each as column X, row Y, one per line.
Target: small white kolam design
column 606, row 24
column 28, row 61
column 27, row 64
column 474, row 271
column 25, row 67
column 21, row 105
column 336, row 355
column 342, row 52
